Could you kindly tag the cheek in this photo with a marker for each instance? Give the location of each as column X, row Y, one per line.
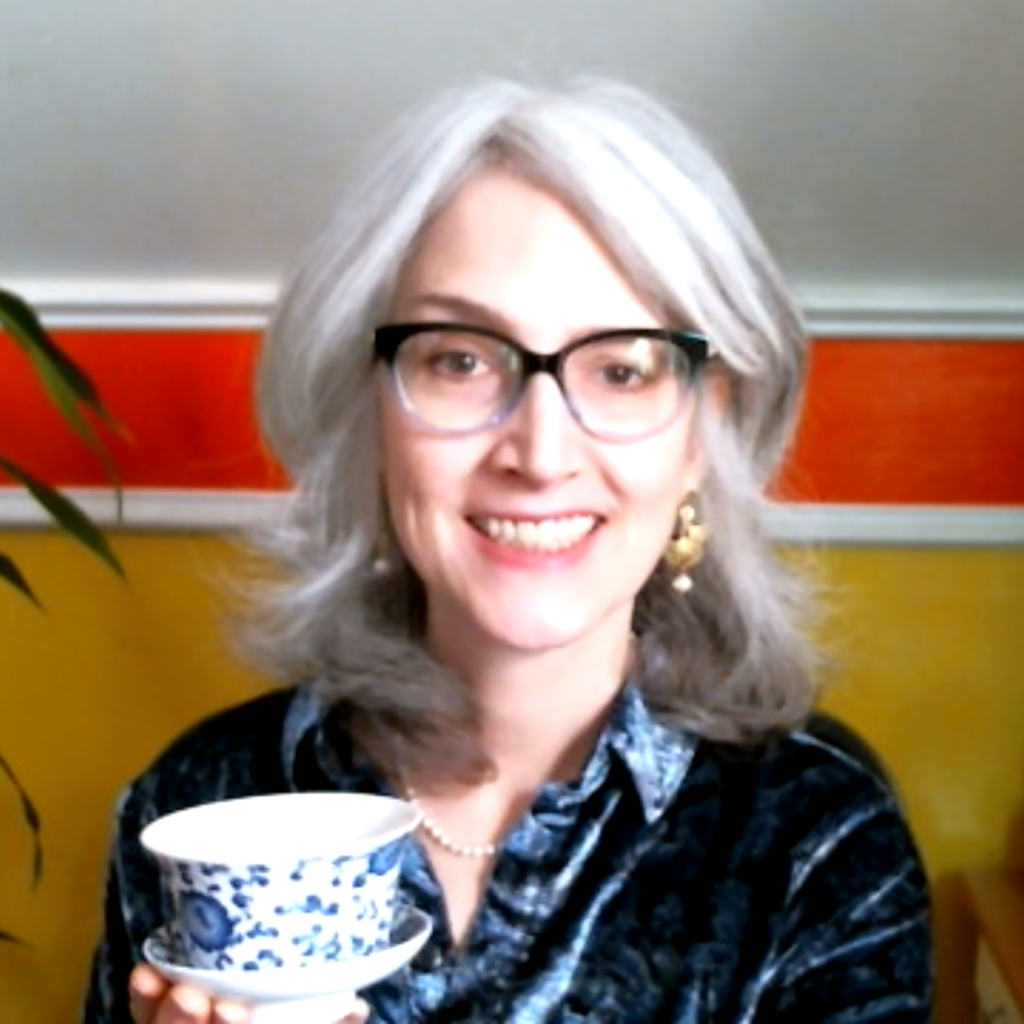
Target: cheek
column 424, row 481
column 401, row 449
column 406, row 502
column 400, row 480
column 406, row 482
column 659, row 477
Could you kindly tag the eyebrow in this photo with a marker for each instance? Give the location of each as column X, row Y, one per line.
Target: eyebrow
column 469, row 309
column 480, row 314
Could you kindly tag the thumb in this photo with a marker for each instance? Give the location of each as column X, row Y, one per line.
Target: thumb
column 359, row 1014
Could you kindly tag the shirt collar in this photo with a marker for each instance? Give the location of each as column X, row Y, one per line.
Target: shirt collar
column 656, row 756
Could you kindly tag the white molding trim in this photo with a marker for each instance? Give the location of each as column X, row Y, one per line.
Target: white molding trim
column 149, row 508
column 150, row 305
column 210, row 304
column 851, row 314
column 901, row 525
column 201, row 511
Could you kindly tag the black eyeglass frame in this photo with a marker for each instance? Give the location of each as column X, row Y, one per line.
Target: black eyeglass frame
column 388, row 339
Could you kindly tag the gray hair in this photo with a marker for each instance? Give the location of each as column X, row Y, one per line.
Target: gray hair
column 728, row 660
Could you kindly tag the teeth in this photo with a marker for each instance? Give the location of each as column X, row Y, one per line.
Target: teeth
column 531, row 535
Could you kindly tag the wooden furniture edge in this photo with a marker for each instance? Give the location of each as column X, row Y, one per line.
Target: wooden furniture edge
column 997, row 901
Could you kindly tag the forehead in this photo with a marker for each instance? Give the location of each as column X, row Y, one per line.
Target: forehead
column 524, row 254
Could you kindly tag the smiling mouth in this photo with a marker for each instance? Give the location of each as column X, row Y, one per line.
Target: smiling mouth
column 542, row 535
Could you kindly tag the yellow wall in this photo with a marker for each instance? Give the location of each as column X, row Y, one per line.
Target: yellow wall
column 931, row 641
column 933, row 645
column 88, row 693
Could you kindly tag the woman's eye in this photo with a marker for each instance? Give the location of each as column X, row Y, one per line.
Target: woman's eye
column 457, row 364
column 623, row 375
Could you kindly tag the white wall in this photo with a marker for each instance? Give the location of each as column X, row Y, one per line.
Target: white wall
column 158, row 143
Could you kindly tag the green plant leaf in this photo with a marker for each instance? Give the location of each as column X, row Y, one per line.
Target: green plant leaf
column 65, row 383
column 73, row 520
column 32, row 820
column 20, row 321
column 11, row 574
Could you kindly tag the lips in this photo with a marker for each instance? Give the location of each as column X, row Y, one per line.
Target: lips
column 540, row 535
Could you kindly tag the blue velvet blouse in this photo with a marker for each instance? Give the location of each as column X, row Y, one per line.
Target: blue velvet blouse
column 674, row 881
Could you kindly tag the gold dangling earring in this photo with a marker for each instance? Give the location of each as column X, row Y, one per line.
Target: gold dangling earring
column 381, row 563
column 686, row 547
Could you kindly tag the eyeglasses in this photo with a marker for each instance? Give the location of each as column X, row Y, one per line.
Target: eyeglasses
column 620, row 385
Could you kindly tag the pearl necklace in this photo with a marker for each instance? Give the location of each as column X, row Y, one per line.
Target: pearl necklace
column 438, row 835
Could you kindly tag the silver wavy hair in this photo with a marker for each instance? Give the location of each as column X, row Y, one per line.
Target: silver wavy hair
column 728, row 660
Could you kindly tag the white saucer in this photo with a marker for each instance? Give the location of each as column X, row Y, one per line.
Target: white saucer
column 410, row 931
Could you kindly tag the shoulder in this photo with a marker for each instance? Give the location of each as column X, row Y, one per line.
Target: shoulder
column 828, row 836
column 829, row 767
column 827, row 761
column 818, row 834
column 804, row 798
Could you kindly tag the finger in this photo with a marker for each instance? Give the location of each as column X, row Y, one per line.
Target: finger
column 359, row 1015
column 184, row 1005
column 146, row 987
column 230, row 1013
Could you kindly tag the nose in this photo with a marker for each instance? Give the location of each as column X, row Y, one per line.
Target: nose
column 540, row 440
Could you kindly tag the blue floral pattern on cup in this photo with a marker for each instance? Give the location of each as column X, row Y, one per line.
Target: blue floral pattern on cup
column 260, row 916
column 205, row 921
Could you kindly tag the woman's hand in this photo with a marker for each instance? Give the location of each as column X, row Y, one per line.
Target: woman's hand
column 154, row 1000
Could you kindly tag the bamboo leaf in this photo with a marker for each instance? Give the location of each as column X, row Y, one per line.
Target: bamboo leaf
column 20, row 321
column 73, row 520
column 32, row 820
column 65, row 399
column 64, row 381
column 68, row 405
column 8, row 937
column 10, row 573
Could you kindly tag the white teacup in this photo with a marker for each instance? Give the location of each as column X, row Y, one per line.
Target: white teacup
column 281, row 881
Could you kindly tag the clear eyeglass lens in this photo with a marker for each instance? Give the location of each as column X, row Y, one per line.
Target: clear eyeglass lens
column 621, row 386
column 457, row 380
column 626, row 386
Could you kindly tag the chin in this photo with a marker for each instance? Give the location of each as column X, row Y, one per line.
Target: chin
column 535, row 634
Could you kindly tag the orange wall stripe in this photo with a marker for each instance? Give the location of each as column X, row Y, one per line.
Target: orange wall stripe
column 887, row 421
column 900, row 421
column 184, row 396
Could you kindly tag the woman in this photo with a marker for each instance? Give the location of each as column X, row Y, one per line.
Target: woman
column 538, row 367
